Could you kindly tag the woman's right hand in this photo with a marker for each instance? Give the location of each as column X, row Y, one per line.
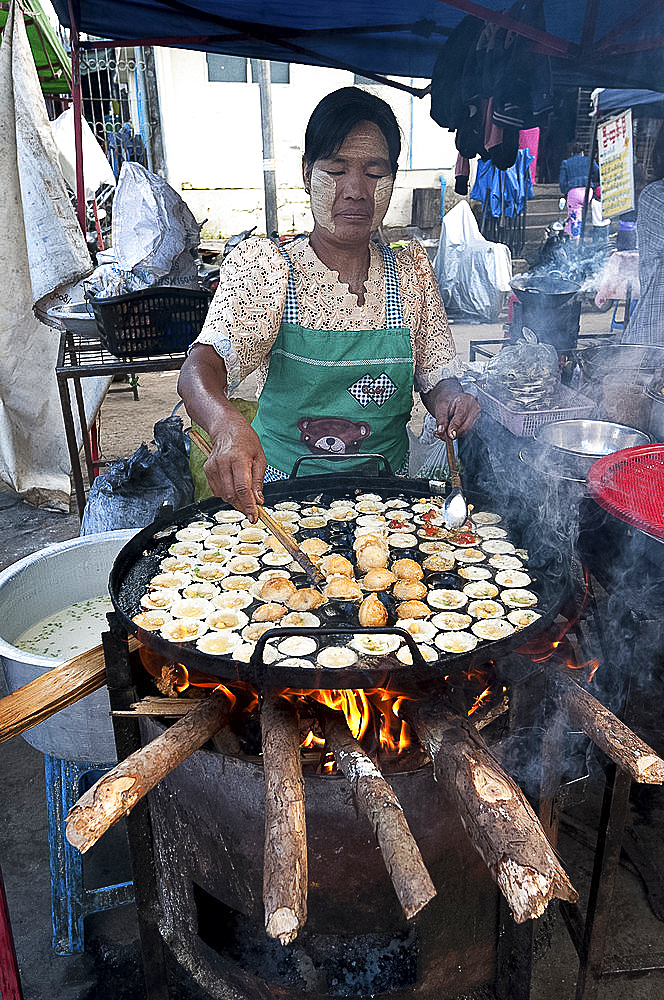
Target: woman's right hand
column 236, row 468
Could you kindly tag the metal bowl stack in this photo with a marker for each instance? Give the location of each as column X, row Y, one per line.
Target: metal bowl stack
column 575, row 445
column 529, row 393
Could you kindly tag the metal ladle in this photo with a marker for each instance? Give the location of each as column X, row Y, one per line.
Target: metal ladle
column 455, row 509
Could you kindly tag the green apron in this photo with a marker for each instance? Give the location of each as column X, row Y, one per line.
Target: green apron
column 337, row 392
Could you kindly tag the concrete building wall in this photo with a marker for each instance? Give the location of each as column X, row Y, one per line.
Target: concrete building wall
column 213, row 145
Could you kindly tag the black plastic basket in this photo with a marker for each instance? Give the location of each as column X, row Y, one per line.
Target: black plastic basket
column 152, row 321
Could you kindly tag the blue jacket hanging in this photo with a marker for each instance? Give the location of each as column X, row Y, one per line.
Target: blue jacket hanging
column 508, row 190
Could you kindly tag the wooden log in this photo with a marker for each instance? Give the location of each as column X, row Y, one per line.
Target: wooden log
column 285, row 870
column 606, row 730
column 501, row 825
column 382, row 808
column 155, row 705
column 117, row 792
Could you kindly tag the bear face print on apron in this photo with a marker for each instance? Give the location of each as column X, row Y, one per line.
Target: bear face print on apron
column 337, row 392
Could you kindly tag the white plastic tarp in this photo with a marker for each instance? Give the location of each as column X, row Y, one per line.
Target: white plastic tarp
column 42, row 250
column 97, row 170
column 473, row 274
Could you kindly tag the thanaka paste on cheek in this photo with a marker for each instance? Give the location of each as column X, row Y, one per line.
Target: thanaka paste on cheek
column 382, row 196
column 322, row 195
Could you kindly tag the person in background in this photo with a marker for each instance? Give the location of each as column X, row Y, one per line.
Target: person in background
column 646, row 324
column 600, row 224
column 573, row 180
column 339, row 328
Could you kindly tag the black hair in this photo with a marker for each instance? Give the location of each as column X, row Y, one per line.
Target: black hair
column 337, row 115
column 577, row 147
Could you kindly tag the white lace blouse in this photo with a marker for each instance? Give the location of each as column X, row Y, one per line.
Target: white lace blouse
column 247, row 308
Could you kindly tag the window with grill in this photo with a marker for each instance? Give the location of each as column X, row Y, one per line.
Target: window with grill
column 233, row 69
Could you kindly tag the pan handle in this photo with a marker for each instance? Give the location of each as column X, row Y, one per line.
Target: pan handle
column 345, row 631
column 383, row 467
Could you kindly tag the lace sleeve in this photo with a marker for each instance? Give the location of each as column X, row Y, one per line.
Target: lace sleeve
column 424, row 313
column 246, row 311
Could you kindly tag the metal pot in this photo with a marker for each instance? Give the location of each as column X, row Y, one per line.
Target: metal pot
column 617, row 376
column 579, row 443
column 655, row 394
column 39, row 586
column 631, row 362
column 547, row 305
column 533, row 289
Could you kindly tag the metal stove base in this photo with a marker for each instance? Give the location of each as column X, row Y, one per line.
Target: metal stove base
column 207, row 825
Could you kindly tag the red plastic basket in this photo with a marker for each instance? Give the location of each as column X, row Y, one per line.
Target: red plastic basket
column 630, row 485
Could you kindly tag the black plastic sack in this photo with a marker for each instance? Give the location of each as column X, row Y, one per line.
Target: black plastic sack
column 134, row 489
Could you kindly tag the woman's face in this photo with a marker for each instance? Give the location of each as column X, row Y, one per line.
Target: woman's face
column 350, row 192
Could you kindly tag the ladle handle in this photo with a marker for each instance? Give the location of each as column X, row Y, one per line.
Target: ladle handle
column 455, row 479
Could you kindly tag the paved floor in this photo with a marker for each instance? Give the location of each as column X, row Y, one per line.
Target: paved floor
column 110, row 965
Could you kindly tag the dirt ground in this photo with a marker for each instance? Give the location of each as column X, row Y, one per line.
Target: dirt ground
column 111, row 965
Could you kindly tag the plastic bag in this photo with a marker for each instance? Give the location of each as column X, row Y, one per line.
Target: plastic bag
column 154, row 232
column 526, row 359
column 473, row 274
column 134, row 489
column 108, row 280
column 428, row 453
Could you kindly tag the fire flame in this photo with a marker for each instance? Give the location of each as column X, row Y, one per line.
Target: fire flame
column 543, row 647
column 372, row 716
column 360, row 708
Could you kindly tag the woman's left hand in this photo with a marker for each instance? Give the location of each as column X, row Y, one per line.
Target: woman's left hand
column 455, row 415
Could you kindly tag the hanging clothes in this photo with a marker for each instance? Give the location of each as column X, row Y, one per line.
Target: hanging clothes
column 488, row 84
column 507, row 190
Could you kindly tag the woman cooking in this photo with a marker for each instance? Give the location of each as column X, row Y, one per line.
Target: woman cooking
column 339, row 328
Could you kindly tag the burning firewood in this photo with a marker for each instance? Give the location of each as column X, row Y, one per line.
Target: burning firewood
column 117, row 792
column 285, row 854
column 606, row 731
column 502, row 826
column 380, row 805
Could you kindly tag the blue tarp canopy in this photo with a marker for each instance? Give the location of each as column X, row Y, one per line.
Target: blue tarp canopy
column 649, row 103
column 609, row 43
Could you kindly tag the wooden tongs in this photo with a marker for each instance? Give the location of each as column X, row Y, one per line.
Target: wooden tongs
column 274, row 527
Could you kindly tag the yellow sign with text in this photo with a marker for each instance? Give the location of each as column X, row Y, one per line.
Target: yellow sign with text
column 616, row 164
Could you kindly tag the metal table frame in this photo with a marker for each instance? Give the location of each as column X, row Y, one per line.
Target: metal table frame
column 80, row 358
column 480, row 348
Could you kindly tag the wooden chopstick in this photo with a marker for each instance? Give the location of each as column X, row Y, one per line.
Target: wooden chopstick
column 279, row 533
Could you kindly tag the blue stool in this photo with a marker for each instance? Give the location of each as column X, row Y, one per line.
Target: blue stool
column 617, row 324
column 70, row 900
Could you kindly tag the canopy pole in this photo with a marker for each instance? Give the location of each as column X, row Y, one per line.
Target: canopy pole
column 584, row 214
column 78, row 108
column 269, row 172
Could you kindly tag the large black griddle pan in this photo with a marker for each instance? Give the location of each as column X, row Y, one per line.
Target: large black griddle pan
column 138, row 561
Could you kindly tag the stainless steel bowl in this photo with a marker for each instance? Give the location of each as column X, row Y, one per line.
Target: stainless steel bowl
column 582, row 442
column 590, row 438
column 77, row 318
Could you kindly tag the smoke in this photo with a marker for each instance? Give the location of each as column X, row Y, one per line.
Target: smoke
column 571, row 540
